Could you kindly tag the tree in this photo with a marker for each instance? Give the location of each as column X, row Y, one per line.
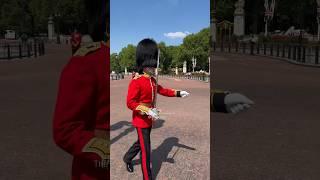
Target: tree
column 194, row 45
column 114, row 63
column 225, row 9
column 127, row 57
column 301, row 14
column 165, row 58
column 197, row 45
column 172, row 55
column 31, row 16
column 181, row 55
column 72, row 15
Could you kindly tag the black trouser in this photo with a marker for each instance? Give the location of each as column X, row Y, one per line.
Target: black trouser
column 143, row 146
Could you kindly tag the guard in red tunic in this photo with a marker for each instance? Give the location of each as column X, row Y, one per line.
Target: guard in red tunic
column 75, row 41
column 81, row 118
column 82, row 115
column 141, row 100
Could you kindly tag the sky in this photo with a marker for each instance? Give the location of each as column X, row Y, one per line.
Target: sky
column 162, row 20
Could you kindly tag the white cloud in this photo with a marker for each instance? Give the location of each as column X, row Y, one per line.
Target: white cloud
column 176, row 35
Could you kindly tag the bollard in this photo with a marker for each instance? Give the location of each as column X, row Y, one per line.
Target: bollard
column 316, row 61
column 20, row 51
column 28, row 49
column 289, row 51
column 9, row 52
column 39, row 49
column 35, row 49
column 251, row 48
column 243, row 48
column 237, row 46
column 304, row 54
column 299, row 53
column 294, row 52
column 43, row 48
column 264, row 49
column 221, row 47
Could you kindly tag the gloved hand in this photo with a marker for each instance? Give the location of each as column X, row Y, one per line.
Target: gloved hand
column 236, row 102
column 238, row 108
column 154, row 113
column 184, row 94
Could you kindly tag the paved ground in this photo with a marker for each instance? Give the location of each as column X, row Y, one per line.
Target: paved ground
column 180, row 140
column 278, row 139
column 27, row 97
column 275, row 140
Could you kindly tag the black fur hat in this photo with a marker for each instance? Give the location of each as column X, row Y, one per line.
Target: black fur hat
column 146, row 54
column 97, row 13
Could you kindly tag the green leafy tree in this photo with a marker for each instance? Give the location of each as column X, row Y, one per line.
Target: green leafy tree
column 114, row 63
column 127, row 57
column 301, row 14
column 31, row 16
column 165, row 58
column 198, row 47
column 71, row 14
column 225, row 9
column 194, row 45
column 181, row 55
column 172, row 55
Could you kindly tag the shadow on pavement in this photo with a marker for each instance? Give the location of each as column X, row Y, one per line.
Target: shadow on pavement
column 129, row 128
column 119, row 125
column 160, row 154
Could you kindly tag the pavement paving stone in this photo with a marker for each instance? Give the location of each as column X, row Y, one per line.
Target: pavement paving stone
column 183, row 121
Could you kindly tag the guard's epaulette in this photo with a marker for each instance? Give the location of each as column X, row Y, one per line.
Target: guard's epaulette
column 82, row 51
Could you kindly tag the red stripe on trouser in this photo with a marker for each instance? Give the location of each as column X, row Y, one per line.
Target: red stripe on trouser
column 144, row 155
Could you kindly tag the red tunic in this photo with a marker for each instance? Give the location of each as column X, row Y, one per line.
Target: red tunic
column 141, row 93
column 83, row 105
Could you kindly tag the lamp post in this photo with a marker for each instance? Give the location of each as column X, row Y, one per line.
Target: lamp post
column 213, row 21
column 209, row 63
column 318, row 18
column 194, row 63
column 213, row 24
column 268, row 15
column 57, row 16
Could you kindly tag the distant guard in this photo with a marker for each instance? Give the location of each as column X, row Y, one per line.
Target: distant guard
column 81, row 120
column 141, row 100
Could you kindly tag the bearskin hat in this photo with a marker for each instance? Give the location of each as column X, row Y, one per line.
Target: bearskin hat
column 146, row 54
column 97, row 12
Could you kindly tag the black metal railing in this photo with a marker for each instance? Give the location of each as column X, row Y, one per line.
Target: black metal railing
column 297, row 53
column 200, row 77
column 116, row 76
column 20, row 50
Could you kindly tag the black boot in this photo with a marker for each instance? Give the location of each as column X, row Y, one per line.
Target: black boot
column 129, row 167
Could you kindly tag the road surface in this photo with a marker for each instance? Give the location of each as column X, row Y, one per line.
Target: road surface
column 180, row 140
column 278, row 139
column 27, row 98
